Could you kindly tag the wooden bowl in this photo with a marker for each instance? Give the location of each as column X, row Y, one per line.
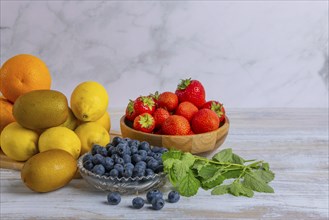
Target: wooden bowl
column 197, row 143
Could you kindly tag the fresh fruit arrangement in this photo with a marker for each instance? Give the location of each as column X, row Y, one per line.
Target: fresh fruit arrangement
column 184, row 112
column 36, row 119
column 124, row 158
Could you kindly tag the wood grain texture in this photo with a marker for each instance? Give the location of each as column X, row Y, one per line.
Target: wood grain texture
column 293, row 141
column 198, row 143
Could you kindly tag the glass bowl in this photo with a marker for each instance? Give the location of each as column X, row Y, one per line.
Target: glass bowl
column 131, row 185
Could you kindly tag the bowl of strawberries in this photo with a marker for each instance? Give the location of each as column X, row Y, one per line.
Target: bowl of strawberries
column 181, row 120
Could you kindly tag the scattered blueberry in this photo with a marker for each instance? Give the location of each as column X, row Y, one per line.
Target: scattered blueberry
column 119, row 160
column 156, row 149
column 133, row 150
column 113, row 198
column 158, row 156
column 138, row 202
column 95, row 149
column 173, row 197
column 129, row 166
column 157, row 203
column 152, row 194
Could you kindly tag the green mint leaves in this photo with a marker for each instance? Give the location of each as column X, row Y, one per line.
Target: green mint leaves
column 189, row 172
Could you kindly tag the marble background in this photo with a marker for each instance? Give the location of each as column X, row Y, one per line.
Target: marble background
column 246, row 53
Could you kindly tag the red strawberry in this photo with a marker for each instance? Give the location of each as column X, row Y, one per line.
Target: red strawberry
column 130, row 111
column 144, row 122
column 168, row 100
column 192, row 91
column 191, row 133
column 187, row 110
column 144, row 104
column 217, row 107
column 155, row 97
column 176, row 125
column 204, row 120
column 160, row 115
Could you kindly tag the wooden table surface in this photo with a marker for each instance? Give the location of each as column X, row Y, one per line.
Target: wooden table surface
column 293, row 141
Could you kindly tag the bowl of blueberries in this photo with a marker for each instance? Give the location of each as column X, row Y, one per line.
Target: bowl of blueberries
column 124, row 165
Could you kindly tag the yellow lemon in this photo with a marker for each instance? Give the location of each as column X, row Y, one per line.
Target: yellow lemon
column 105, row 121
column 92, row 133
column 60, row 138
column 89, row 101
column 71, row 121
column 49, row 170
column 19, row 143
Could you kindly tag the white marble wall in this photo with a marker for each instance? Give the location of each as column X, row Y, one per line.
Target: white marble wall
column 246, row 53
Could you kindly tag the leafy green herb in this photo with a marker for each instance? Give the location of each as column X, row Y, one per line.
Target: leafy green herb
column 189, row 172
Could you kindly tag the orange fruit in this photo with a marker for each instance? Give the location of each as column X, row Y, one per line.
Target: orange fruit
column 21, row 74
column 6, row 115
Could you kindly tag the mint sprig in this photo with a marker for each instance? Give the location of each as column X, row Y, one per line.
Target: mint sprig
column 189, row 172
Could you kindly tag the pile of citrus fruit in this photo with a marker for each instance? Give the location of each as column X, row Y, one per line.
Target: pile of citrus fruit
column 39, row 125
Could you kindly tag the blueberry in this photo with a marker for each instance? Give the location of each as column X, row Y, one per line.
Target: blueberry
column 133, row 150
column 88, row 165
column 148, row 158
column 138, row 202
column 98, row 159
column 163, row 150
column 126, row 158
column 141, row 163
column 114, row 156
column 144, row 146
column 122, row 148
column 158, row 203
column 119, row 167
column 98, row 169
column 149, row 172
column 95, row 149
column 102, row 151
column 116, row 140
column 173, row 197
column 114, row 198
column 128, row 166
column 126, row 139
column 109, row 163
column 133, row 143
column 152, row 164
column 150, row 153
column 143, row 154
column 87, row 157
column 108, row 146
column 154, row 193
column 156, row 149
column 136, row 158
column 127, row 172
column 138, row 171
column 119, row 160
column 158, row 156
column 114, row 173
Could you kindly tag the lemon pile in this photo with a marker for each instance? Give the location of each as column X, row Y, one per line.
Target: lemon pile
column 44, row 121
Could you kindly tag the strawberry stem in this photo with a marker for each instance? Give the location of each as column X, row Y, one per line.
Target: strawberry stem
column 184, row 84
column 146, row 121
